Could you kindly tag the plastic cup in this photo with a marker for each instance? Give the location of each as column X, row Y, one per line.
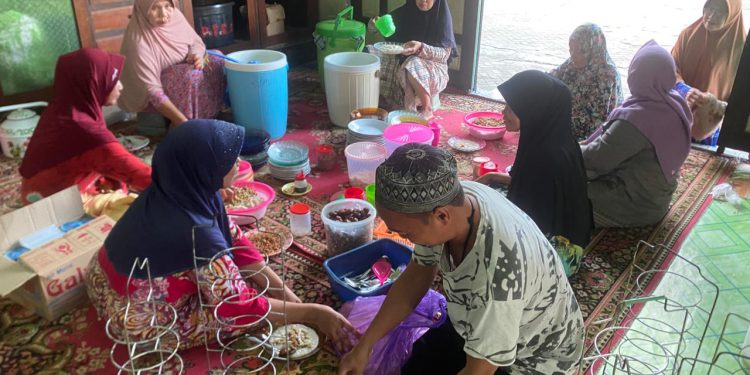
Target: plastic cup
column 370, row 193
column 354, row 193
column 385, row 25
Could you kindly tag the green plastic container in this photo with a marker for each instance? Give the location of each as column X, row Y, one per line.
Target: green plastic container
column 339, row 35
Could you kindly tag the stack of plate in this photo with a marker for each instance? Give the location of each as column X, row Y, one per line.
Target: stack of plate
column 365, row 130
column 287, row 158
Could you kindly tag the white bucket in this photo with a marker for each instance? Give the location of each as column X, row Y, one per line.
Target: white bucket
column 352, row 81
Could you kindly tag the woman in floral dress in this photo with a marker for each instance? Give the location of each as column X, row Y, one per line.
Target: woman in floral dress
column 592, row 78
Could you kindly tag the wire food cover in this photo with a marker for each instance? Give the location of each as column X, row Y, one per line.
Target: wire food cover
column 662, row 332
column 249, row 352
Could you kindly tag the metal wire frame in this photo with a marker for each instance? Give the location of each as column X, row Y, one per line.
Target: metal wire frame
column 127, row 326
column 734, row 352
column 626, row 314
column 231, row 357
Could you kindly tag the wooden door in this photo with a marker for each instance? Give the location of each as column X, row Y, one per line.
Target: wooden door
column 102, row 23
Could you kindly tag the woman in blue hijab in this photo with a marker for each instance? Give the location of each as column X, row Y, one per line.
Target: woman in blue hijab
column 182, row 207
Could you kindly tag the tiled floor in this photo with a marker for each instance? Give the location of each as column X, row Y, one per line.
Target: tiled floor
column 720, row 245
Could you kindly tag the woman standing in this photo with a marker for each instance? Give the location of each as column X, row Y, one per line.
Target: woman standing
column 592, row 78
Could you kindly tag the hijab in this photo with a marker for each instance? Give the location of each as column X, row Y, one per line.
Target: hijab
column 434, row 27
column 708, row 60
column 596, row 88
column 659, row 112
column 73, row 122
column 188, row 170
column 151, row 49
column 548, row 176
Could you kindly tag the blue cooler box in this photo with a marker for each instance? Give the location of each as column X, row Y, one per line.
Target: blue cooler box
column 358, row 260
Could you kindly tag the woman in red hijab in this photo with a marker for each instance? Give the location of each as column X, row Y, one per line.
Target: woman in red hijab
column 72, row 139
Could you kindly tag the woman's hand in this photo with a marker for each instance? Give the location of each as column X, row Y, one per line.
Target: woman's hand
column 196, row 60
column 697, row 98
column 494, row 178
column 341, row 333
column 411, row 48
column 227, row 195
column 371, row 25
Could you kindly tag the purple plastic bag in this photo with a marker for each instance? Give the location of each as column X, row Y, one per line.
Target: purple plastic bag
column 394, row 349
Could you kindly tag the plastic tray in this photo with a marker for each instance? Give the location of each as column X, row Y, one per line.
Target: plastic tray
column 357, row 260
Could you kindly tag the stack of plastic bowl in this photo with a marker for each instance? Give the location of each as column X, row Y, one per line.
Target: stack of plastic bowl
column 244, row 172
column 255, row 147
column 400, row 134
column 365, row 130
column 287, row 158
column 362, row 160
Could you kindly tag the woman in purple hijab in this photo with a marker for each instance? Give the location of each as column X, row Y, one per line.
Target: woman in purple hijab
column 633, row 162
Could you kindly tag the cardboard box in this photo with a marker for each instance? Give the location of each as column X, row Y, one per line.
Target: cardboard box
column 275, row 28
column 49, row 278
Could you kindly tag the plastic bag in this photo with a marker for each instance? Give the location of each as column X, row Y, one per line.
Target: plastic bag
column 725, row 192
column 394, row 349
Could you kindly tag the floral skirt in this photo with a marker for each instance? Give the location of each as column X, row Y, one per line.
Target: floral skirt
column 108, row 291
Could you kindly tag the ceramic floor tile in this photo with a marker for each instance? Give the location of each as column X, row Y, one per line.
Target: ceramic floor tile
column 720, row 239
column 730, row 301
column 742, row 229
column 735, row 267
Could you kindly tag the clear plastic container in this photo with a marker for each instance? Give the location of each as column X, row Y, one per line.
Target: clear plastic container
column 344, row 236
column 300, row 220
column 362, row 159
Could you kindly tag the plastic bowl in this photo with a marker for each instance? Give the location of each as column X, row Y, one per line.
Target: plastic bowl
column 362, row 160
column 488, row 135
column 359, row 260
column 340, row 236
column 400, row 134
column 471, row 117
column 258, row 211
column 398, row 117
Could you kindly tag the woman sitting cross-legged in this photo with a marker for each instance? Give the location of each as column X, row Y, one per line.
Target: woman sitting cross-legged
column 184, row 202
column 634, row 161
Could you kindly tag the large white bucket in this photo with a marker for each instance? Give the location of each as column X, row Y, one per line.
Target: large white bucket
column 352, row 81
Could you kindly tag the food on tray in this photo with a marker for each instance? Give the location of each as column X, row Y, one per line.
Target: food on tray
column 488, row 122
column 244, row 197
column 350, row 215
column 297, row 338
column 267, row 243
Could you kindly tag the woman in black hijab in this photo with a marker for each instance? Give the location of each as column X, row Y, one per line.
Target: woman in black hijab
column 425, row 27
column 548, row 178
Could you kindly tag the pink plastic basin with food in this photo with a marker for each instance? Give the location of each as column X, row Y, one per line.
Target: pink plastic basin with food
column 400, row 134
column 486, row 125
column 265, row 194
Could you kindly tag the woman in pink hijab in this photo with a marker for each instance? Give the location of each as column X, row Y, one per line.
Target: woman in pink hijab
column 168, row 78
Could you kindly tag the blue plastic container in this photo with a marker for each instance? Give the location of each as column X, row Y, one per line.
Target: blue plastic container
column 258, row 90
column 358, row 260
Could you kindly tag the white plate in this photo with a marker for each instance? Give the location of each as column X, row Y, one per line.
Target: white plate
column 277, row 342
column 133, row 142
column 466, row 144
column 389, row 48
column 367, row 127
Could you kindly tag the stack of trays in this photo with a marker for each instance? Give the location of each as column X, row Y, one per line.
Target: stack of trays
column 365, row 130
column 287, row 158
